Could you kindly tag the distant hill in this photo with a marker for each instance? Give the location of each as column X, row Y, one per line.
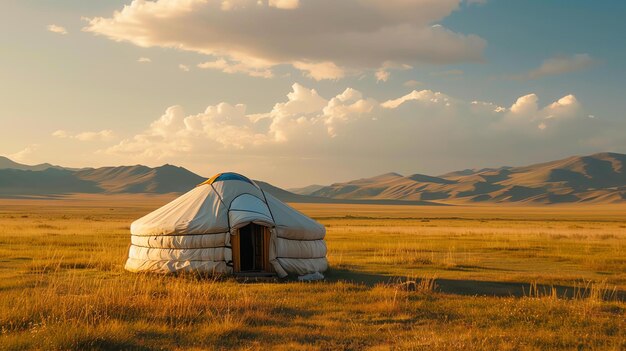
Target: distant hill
column 141, row 179
column 307, row 190
column 6, row 163
column 106, row 180
column 282, row 194
column 44, row 180
column 599, row 178
column 288, row 196
column 50, row 181
column 26, row 181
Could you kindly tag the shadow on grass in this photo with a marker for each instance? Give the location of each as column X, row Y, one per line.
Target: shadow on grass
column 476, row 287
column 463, row 287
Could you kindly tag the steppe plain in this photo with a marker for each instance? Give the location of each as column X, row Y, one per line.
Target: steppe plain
column 401, row 277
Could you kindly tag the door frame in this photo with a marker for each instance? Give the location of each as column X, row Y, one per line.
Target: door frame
column 236, row 251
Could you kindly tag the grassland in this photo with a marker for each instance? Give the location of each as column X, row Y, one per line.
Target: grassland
column 402, row 277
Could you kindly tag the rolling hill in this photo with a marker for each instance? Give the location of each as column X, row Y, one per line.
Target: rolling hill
column 595, row 178
column 141, row 179
column 6, row 163
column 50, row 181
column 108, row 180
column 598, row 178
column 57, row 181
column 28, row 181
column 306, row 190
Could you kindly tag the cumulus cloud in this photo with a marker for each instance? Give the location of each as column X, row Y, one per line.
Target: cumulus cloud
column 183, row 68
column 103, row 135
column 320, row 70
column 56, row 29
column 525, row 105
column 351, row 131
column 326, row 39
column 526, row 110
column 144, row 60
column 424, row 96
column 559, row 65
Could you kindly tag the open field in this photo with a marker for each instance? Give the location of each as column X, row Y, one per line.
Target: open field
column 486, row 278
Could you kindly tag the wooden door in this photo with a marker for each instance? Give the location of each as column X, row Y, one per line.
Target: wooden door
column 267, row 266
column 255, row 248
column 234, row 243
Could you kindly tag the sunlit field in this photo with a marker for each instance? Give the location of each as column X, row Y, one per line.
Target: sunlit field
column 401, row 277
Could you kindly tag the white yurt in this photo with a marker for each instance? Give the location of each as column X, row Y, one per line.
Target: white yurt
column 227, row 224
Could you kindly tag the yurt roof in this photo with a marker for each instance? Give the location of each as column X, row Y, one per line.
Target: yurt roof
column 223, row 203
column 220, row 177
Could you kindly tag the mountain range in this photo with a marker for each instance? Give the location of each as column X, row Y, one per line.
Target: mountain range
column 598, row 178
column 6, row 163
column 19, row 180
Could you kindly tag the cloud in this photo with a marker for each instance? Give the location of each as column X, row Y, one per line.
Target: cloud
column 526, row 110
column 353, row 133
column 424, row 96
column 56, row 29
column 412, row 83
column 559, row 65
column 320, row 70
column 488, row 106
column 525, row 105
column 144, row 60
column 383, row 73
column 24, row 154
column 183, row 68
column 253, row 69
column 60, row 134
column 326, row 39
column 284, row 4
column 103, row 135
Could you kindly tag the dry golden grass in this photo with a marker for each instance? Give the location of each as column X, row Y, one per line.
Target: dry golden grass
column 402, row 277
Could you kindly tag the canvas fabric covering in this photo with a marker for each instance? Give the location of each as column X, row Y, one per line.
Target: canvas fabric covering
column 193, row 232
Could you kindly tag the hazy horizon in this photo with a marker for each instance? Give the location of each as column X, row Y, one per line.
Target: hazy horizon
column 300, row 92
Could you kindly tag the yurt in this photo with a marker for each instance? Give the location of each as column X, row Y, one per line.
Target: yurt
column 227, row 225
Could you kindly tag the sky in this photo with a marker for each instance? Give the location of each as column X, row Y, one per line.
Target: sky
column 300, row 92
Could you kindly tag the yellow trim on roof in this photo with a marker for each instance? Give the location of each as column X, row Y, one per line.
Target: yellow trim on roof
column 210, row 180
